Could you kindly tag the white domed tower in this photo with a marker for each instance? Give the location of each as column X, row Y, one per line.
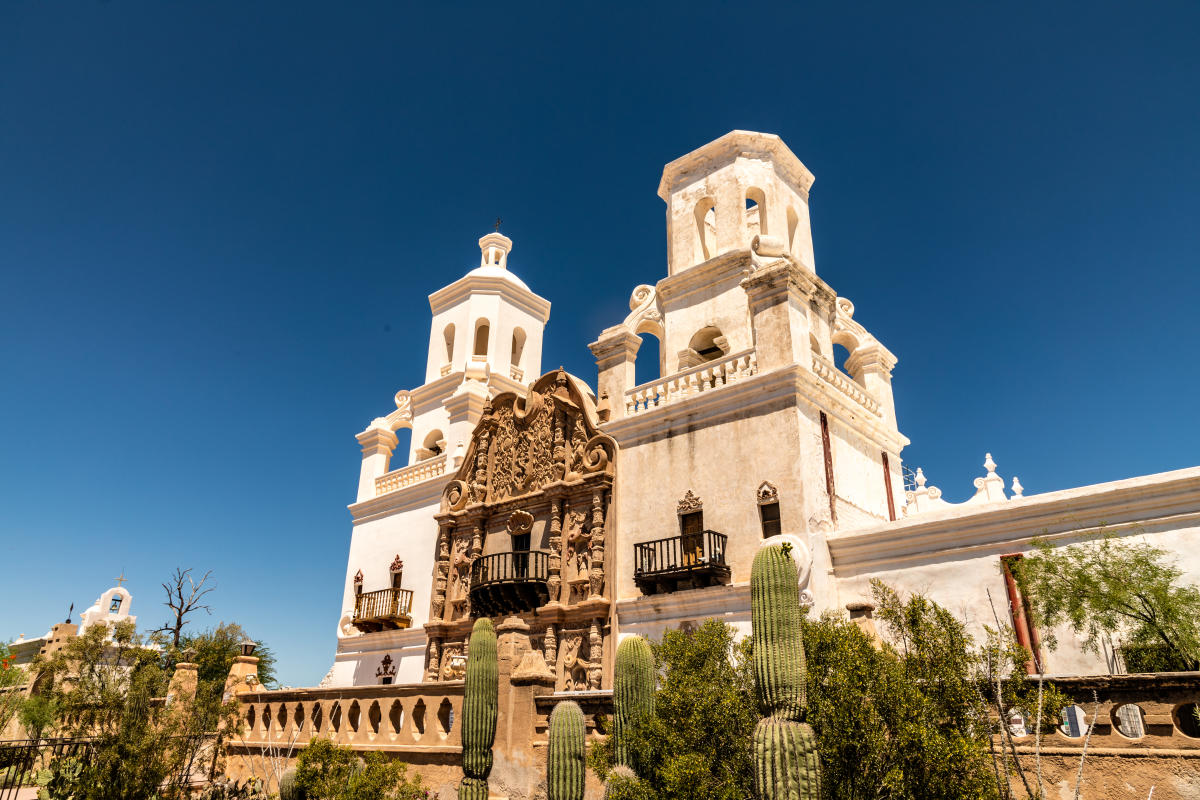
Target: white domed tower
column 485, row 338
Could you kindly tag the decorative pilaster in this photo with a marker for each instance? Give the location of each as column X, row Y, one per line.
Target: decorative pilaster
column 554, row 570
column 595, row 656
column 550, row 645
column 615, row 352
column 597, row 545
column 377, row 443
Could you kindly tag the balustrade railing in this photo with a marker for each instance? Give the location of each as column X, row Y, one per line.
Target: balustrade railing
column 417, row 716
column 407, row 476
column 685, row 383
column 384, row 604
column 679, row 554
column 520, row 565
column 826, row 371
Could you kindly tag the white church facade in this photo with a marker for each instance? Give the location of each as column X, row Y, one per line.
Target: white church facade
column 585, row 511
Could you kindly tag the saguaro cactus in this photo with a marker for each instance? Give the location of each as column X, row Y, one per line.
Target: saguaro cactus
column 480, row 710
column 633, row 690
column 566, row 760
column 786, row 766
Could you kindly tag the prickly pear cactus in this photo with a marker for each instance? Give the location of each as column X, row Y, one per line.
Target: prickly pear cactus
column 633, row 690
column 786, row 766
column 479, row 711
column 567, row 757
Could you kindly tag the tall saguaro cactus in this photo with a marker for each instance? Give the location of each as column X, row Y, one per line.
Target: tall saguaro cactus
column 567, row 758
column 633, row 690
column 786, row 765
column 480, row 709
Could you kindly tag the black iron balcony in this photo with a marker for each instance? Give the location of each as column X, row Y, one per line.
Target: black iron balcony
column 509, row 583
column 687, row 561
column 384, row 609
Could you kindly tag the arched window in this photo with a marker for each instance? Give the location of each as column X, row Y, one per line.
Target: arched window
column 647, row 365
column 518, row 346
column 706, row 229
column 814, row 344
column 482, row 329
column 449, row 335
column 708, row 344
column 433, row 445
column 793, row 220
column 756, row 211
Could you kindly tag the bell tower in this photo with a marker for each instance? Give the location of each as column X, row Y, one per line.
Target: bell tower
column 722, row 195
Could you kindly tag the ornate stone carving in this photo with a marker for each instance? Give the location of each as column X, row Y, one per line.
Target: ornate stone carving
column 596, row 545
column 690, row 503
column 386, row 668
column 595, row 649
column 554, row 568
column 519, row 522
column 433, row 662
column 397, row 564
column 767, row 493
column 358, row 578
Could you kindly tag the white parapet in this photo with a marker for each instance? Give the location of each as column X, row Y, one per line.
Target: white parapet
column 701, row 378
column 407, row 476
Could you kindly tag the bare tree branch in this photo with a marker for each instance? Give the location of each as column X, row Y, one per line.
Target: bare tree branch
column 184, row 596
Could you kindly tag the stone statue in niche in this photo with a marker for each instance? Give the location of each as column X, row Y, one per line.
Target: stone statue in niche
column 579, row 558
column 460, row 577
column 577, row 668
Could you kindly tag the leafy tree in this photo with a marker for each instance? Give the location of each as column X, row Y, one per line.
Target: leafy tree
column 11, row 678
column 696, row 746
column 325, row 771
column 103, row 684
column 904, row 719
column 215, row 650
column 38, row 715
column 1112, row 585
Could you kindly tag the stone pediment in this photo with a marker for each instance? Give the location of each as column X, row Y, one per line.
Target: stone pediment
column 523, row 443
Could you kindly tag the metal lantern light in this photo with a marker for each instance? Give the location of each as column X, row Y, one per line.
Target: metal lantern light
column 248, row 646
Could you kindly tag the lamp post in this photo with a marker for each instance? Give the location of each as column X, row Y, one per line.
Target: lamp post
column 248, row 646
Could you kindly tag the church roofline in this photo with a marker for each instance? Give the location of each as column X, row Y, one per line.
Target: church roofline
column 726, row 149
column 1119, row 506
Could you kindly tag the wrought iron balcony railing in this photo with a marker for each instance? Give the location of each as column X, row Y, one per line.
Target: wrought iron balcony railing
column 386, row 608
column 509, row 583
column 687, row 561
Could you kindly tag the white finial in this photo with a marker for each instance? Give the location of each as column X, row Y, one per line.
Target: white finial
column 989, row 465
column 920, row 478
column 1017, row 488
column 495, row 248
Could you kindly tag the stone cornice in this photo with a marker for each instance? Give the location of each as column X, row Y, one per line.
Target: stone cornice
column 790, row 384
column 729, row 148
column 1172, row 497
column 524, row 299
column 767, row 282
column 730, row 266
column 616, row 345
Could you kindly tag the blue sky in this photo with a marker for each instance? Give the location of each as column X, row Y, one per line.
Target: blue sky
column 219, row 223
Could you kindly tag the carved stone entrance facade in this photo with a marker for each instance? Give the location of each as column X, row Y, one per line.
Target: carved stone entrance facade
column 521, row 534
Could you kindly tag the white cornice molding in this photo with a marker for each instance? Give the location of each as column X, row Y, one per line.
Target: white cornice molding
column 714, row 601
column 736, row 144
column 379, row 641
column 1167, row 498
column 536, row 305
